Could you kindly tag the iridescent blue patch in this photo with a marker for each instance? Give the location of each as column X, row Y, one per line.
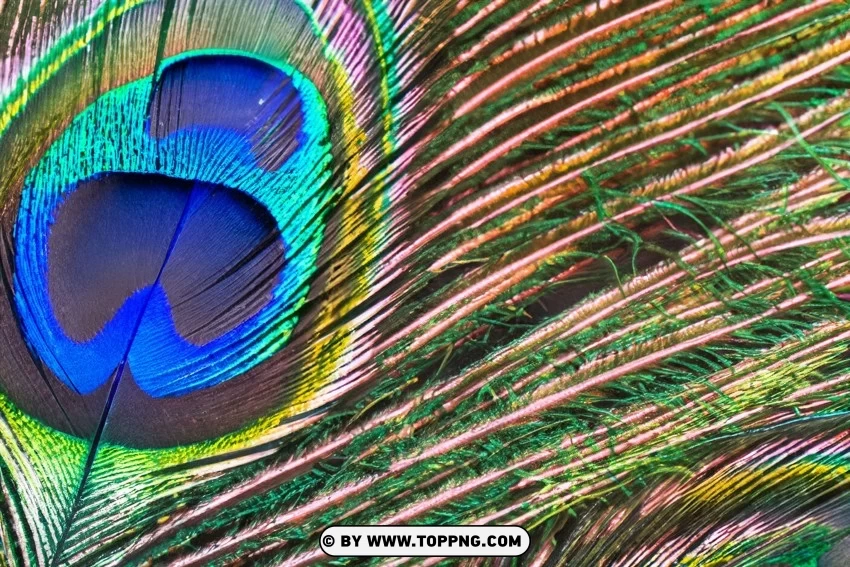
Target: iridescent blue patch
column 175, row 226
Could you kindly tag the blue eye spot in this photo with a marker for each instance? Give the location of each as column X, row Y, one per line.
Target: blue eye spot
column 175, row 225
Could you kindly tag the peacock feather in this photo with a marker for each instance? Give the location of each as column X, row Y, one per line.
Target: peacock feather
column 275, row 265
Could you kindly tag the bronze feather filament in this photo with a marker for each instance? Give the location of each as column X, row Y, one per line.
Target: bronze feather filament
column 271, row 266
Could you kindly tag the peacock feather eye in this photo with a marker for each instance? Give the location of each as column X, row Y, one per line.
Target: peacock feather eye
column 180, row 223
column 169, row 236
